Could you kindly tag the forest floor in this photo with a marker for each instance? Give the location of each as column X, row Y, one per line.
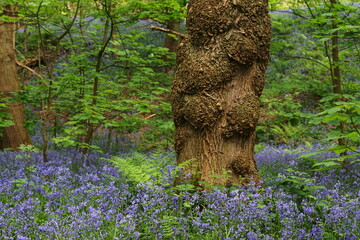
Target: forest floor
column 77, row 196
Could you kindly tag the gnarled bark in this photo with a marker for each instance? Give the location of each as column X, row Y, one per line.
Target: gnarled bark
column 220, row 76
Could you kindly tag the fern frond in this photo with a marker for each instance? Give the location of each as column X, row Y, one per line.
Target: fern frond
column 140, row 167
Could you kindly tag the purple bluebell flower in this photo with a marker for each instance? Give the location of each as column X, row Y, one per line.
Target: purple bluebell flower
column 94, row 201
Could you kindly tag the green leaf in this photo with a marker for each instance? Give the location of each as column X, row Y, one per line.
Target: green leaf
column 353, row 136
column 338, row 149
column 205, row 183
column 326, row 165
column 311, row 154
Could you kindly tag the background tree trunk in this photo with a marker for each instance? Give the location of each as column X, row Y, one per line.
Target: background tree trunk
column 220, row 76
column 335, row 66
column 170, row 42
column 16, row 134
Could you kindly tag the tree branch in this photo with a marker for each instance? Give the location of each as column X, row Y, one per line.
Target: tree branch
column 183, row 36
column 308, row 58
column 29, row 69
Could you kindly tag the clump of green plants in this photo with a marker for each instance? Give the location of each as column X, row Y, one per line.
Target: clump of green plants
column 341, row 118
column 142, row 168
column 5, row 118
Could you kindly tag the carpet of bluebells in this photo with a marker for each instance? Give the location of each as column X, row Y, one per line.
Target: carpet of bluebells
column 77, row 196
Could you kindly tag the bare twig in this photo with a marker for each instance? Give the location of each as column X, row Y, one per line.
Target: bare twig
column 168, row 31
column 152, row 115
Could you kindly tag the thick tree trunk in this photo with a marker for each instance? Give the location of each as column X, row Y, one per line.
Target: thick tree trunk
column 220, row 76
column 15, row 135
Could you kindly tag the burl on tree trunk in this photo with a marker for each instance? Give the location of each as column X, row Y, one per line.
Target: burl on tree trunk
column 16, row 134
column 219, row 78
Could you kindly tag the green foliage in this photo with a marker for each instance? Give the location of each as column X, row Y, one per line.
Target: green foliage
column 340, row 109
column 186, row 186
column 163, row 10
column 292, row 88
column 142, row 168
column 132, row 94
column 187, row 176
column 300, row 72
column 339, row 113
column 259, row 147
column 190, row 183
column 28, row 149
column 342, row 161
column 132, row 99
column 299, row 185
column 5, row 118
column 168, row 223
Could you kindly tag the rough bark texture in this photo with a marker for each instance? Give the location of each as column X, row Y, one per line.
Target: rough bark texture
column 15, row 135
column 220, row 76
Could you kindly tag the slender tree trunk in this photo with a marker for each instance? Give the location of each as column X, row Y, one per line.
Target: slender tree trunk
column 220, row 76
column 171, row 43
column 17, row 134
column 109, row 139
column 109, row 32
column 336, row 76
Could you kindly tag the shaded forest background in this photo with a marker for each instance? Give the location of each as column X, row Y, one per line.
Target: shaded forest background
column 95, row 76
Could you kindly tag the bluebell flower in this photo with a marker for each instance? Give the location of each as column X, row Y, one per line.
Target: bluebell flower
column 252, row 236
